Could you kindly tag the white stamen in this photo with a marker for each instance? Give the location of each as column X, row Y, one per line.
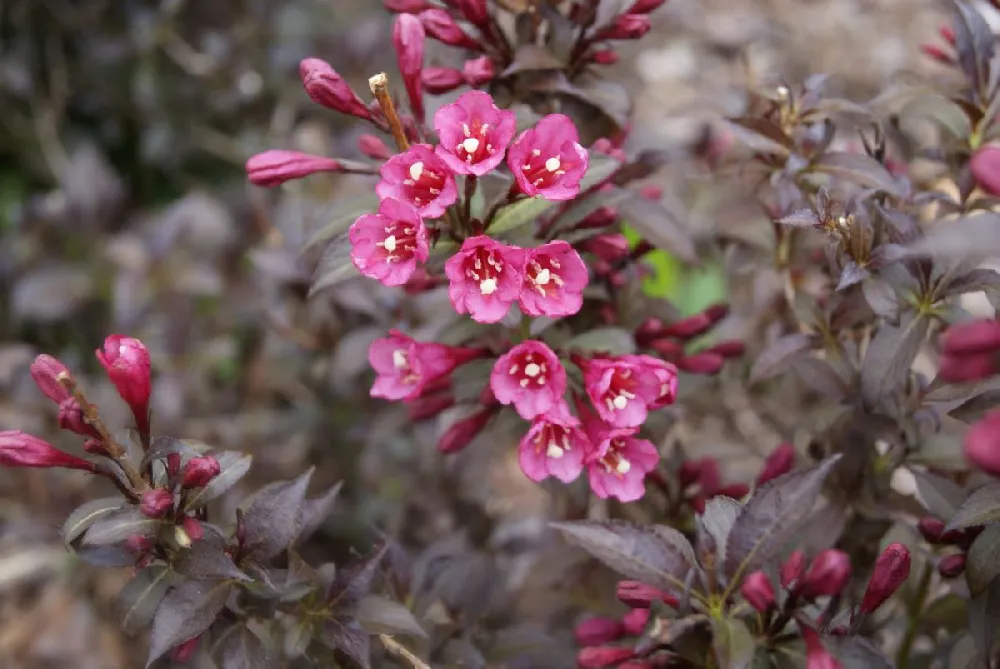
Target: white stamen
column 398, row 359
column 542, row 277
column 620, row 402
column 470, row 145
column 536, row 152
column 552, row 164
column 488, row 286
column 390, row 243
column 553, row 451
column 416, row 169
column 532, row 370
column 623, row 466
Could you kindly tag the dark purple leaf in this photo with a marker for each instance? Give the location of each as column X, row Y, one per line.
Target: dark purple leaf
column 803, row 218
column 139, row 599
column 881, row 297
column 347, row 636
column 775, row 513
column 982, row 565
column 976, row 407
column 890, row 355
column 316, row 511
column 714, row 526
column 241, row 649
column 852, row 274
column 779, row 355
column 760, row 135
column 87, row 514
column 271, row 519
column 856, row 652
column 975, row 44
column 120, row 525
column 106, row 555
column 232, row 467
column 821, row 376
column 734, row 645
column 856, row 168
column 335, row 266
column 187, row 611
column 381, row 615
column 532, row 58
column 982, row 507
column 970, row 238
column 939, row 495
column 354, row 581
column 660, row 227
column 984, row 618
column 206, row 560
column 973, row 281
column 341, row 216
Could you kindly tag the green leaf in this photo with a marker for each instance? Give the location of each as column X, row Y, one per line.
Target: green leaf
column 734, row 645
column 87, row 514
column 982, row 507
column 982, row 564
column 614, row 341
column 522, row 212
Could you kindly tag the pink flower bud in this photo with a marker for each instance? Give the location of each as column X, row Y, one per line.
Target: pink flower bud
column 780, row 462
column 716, row 312
column 973, row 337
column 931, row 528
column 406, row 6
column 704, row 363
column 641, row 595
column 95, row 447
column 891, row 570
column 600, row 657
column 156, row 503
column 758, row 591
column 199, row 471
column 604, row 57
column 948, row 34
column 184, row 652
column 828, row 574
column 273, row 168
column 733, row 490
column 610, row 247
column 636, row 664
column 985, row 168
column 126, row 361
column 965, row 368
column 731, row 348
column 690, row 327
column 46, row 371
column 460, row 434
column 374, row 147
column 437, row 80
column 326, row 87
column 982, row 444
column 628, row 26
column 598, row 631
column 648, row 330
column 193, row 528
column 478, row 71
column 635, row 621
column 428, row 407
column 952, row 565
column 791, row 570
column 600, row 218
column 137, row 544
column 817, row 657
column 439, row 25
column 645, row 6
column 71, row 418
column 18, row 449
column 937, row 53
column 474, row 10
column 173, row 464
column 408, row 39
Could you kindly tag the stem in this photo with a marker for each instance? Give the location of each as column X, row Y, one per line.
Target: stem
column 379, row 85
column 470, row 190
column 913, row 612
column 399, row 649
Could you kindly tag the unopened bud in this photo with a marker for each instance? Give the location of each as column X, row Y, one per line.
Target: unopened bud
column 733, row 490
column 475, row 11
column 478, row 71
column 635, row 621
column 758, row 591
column 817, row 657
column 931, row 529
column 156, row 503
column 437, row 80
column 374, row 147
column 627, row 26
column 599, row 218
column 439, row 25
column 46, row 371
column 778, row 463
column 981, row 445
column 126, row 361
column 645, row 6
column 430, row 406
column 610, row 247
column 952, row 565
column 406, row 6
column 326, row 87
column 791, row 570
column 604, row 57
column 641, row 595
column 464, row 431
column 937, row 53
column 193, row 528
column 600, row 657
column 731, row 348
column 651, row 192
column 704, row 363
column 985, row 167
column 966, row 368
column 408, row 39
column 689, row 327
column 598, row 631
column 273, row 168
column 978, row 336
column 891, row 570
column 185, row 651
column 136, row 544
column 18, row 449
column 72, row 419
column 828, row 574
column 198, row 472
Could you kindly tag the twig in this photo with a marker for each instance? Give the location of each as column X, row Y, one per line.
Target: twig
column 399, row 649
column 379, row 85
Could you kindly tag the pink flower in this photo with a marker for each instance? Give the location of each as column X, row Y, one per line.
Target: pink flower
column 388, row 245
column 273, row 168
column 530, row 377
column 405, row 366
column 554, row 279
column 18, row 449
column 554, row 446
column 548, row 159
column 485, row 278
column 618, row 467
column 474, row 133
column 419, row 178
column 126, row 361
column 326, row 87
column 666, row 374
column 621, row 389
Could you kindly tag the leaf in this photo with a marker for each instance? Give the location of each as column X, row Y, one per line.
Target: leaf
column 138, row 600
column 969, row 238
column 940, row 110
column 858, row 168
column 881, row 297
column 241, row 649
column 120, row 525
column 520, row 213
column 662, row 558
column 271, row 518
column 316, row 511
column 778, row 356
column 532, row 58
column 110, row 555
column 973, row 281
column 734, row 645
column 187, row 611
column 715, row 524
column 982, row 507
column 890, row 355
column 982, row 565
column 342, row 216
column 232, row 467
column 660, row 227
column 772, row 516
column 984, row 618
column 335, row 266
column 87, row 514
column 975, row 44
column 614, row 341
column 206, row 560
column 803, row 218
column 381, row 615
column 349, row 638
column 759, row 135
column 354, row 582
column 976, row 407
column 938, row 495
column 856, row 652
column 852, row 274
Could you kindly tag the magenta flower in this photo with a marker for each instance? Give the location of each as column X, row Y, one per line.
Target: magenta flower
column 554, row 279
column 485, row 278
column 405, row 366
column 554, row 446
column 326, row 87
column 530, row 377
column 474, row 133
column 618, row 466
column 388, row 245
column 420, row 179
column 621, row 389
column 666, row 374
column 548, row 159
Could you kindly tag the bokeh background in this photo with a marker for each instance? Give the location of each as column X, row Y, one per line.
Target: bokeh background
column 124, row 126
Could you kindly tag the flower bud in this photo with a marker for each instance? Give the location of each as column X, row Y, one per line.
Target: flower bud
column 326, row 87
column 193, row 528
column 199, row 471
column 46, row 371
column 464, row 431
column 137, row 544
column 185, row 651
column 126, row 361
column 604, row 57
column 649, row 330
column 791, row 570
column 71, row 418
column 758, row 591
column 600, row 657
column 690, row 327
column 734, row 490
column 982, row 443
column 668, row 349
column 273, row 168
column 937, row 53
column 95, row 447
column 817, row 657
column 965, row 368
column 828, row 574
column 18, row 449
column 156, row 503
column 778, row 463
column 952, row 565
column 628, row 26
column 429, row 406
column 704, row 363
column 374, row 147
column 598, row 631
column 408, row 39
column 731, row 348
column 636, row 664
column 641, row 595
column 478, row 71
column 475, row 11
column 439, row 25
column 635, row 621
column 599, row 218
column 891, row 570
column 645, row 6
column 948, row 34
column 173, row 464
column 972, row 338
column 610, row 247
column 437, row 80
column 690, row 471
column 406, row 6
column 931, row 529
column 985, row 168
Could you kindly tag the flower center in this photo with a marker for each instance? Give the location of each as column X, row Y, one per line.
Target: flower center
column 476, row 145
column 554, row 440
column 614, row 462
column 400, row 242
column 399, row 359
column 484, row 267
column 542, row 172
column 424, row 183
column 541, row 275
column 416, row 169
column 488, row 286
column 619, row 392
column 530, row 370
